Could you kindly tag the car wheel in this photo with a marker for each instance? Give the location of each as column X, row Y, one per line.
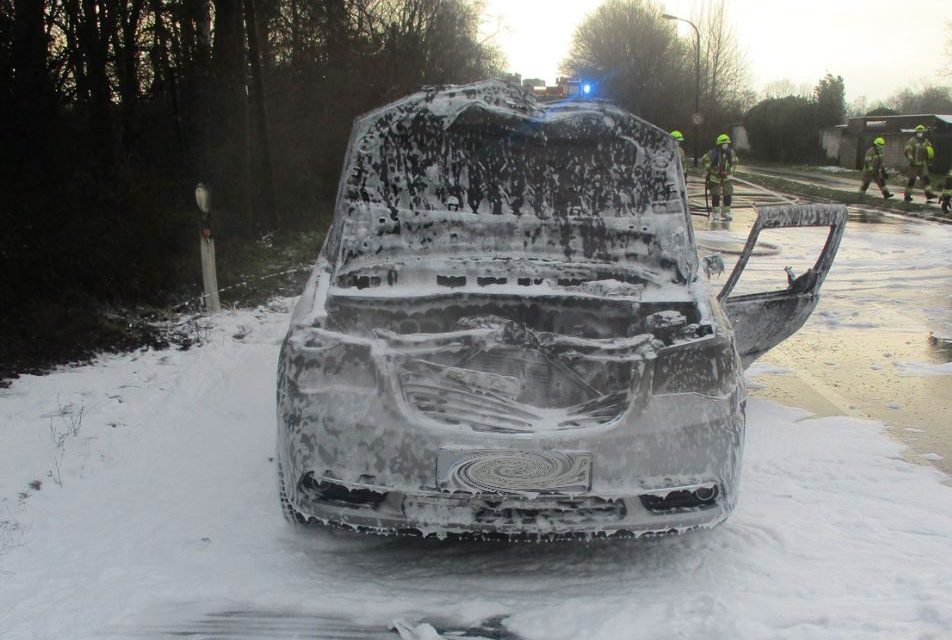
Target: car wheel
column 291, row 514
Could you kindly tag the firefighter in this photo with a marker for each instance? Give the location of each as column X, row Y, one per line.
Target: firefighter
column 946, row 199
column 874, row 170
column 919, row 152
column 677, row 135
column 719, row 168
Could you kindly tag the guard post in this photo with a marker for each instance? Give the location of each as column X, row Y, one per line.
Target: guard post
column 203, row 197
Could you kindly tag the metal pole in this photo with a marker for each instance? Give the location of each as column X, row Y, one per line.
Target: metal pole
column 697, row 89
column 697, row 82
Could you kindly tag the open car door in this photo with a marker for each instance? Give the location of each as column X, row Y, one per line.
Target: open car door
column 763, row 320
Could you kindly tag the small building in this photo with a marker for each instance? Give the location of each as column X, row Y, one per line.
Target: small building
column 848, row 143
column 830, row 139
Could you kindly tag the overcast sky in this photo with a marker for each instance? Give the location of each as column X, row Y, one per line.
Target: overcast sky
column 878, row 46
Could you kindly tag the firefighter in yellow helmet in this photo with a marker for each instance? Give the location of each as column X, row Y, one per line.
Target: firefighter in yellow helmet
column 919, row 152
column 677, row 135
column 874, row 170
column 719, row 169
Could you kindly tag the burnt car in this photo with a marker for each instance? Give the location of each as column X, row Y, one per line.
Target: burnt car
column 505, row 333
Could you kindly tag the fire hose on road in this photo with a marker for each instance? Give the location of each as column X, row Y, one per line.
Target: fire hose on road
column 770, row 197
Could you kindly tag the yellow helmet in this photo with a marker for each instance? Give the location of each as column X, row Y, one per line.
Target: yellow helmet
column 879, row 142
column 721, row 139
column 920, row 127
column 677, row 135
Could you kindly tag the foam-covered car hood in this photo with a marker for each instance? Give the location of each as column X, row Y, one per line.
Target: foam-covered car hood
column 451, row 175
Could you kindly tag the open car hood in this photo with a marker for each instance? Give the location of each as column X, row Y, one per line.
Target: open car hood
column 485, row 170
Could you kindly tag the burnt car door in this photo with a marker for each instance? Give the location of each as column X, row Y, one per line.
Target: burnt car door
column 763, row 320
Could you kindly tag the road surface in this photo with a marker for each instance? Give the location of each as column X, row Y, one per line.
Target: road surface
column 880, row 342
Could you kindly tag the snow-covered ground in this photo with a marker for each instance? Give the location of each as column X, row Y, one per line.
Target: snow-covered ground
column 137, row 500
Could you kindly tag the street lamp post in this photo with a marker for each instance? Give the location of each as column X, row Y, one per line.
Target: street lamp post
column 696, row 116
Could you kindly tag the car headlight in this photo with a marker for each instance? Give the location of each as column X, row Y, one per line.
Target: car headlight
column 323, row 360
column 707, row 367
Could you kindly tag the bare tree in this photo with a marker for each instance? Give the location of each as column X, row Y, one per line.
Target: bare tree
column 724, row 72
column 92, row 23
column 784, row 88
column 31, row 95
column 126, row 47
column 948, row 48
column 230, row 110
column 928, row 99
column 636, row 58
column 857, row 107
column 261, row 141
column 640, row 62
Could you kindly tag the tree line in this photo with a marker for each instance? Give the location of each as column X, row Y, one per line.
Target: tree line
column 634, row 54
column 112, row 110
column 636, row 58
column 787, row 129
column 631, row 49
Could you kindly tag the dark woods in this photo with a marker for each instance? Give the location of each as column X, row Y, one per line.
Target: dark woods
column 112, row 111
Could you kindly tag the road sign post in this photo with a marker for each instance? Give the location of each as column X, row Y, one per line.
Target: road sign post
column 697, row 119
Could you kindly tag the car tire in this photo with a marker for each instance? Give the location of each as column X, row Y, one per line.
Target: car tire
column 291, row 514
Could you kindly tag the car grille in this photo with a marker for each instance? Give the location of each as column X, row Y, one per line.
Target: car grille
column 534, row 370
column 541, row 514
column 483, row 412
column 451, row 402
column 555, row 512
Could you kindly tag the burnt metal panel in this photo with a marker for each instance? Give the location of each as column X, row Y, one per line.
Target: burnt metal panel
column 761, row 321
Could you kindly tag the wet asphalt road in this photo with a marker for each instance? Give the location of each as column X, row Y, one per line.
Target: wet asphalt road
column 874, row 346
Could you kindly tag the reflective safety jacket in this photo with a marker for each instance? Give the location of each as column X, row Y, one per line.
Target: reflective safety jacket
column 719, row 164
column 917, row 151
column 874, row 160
